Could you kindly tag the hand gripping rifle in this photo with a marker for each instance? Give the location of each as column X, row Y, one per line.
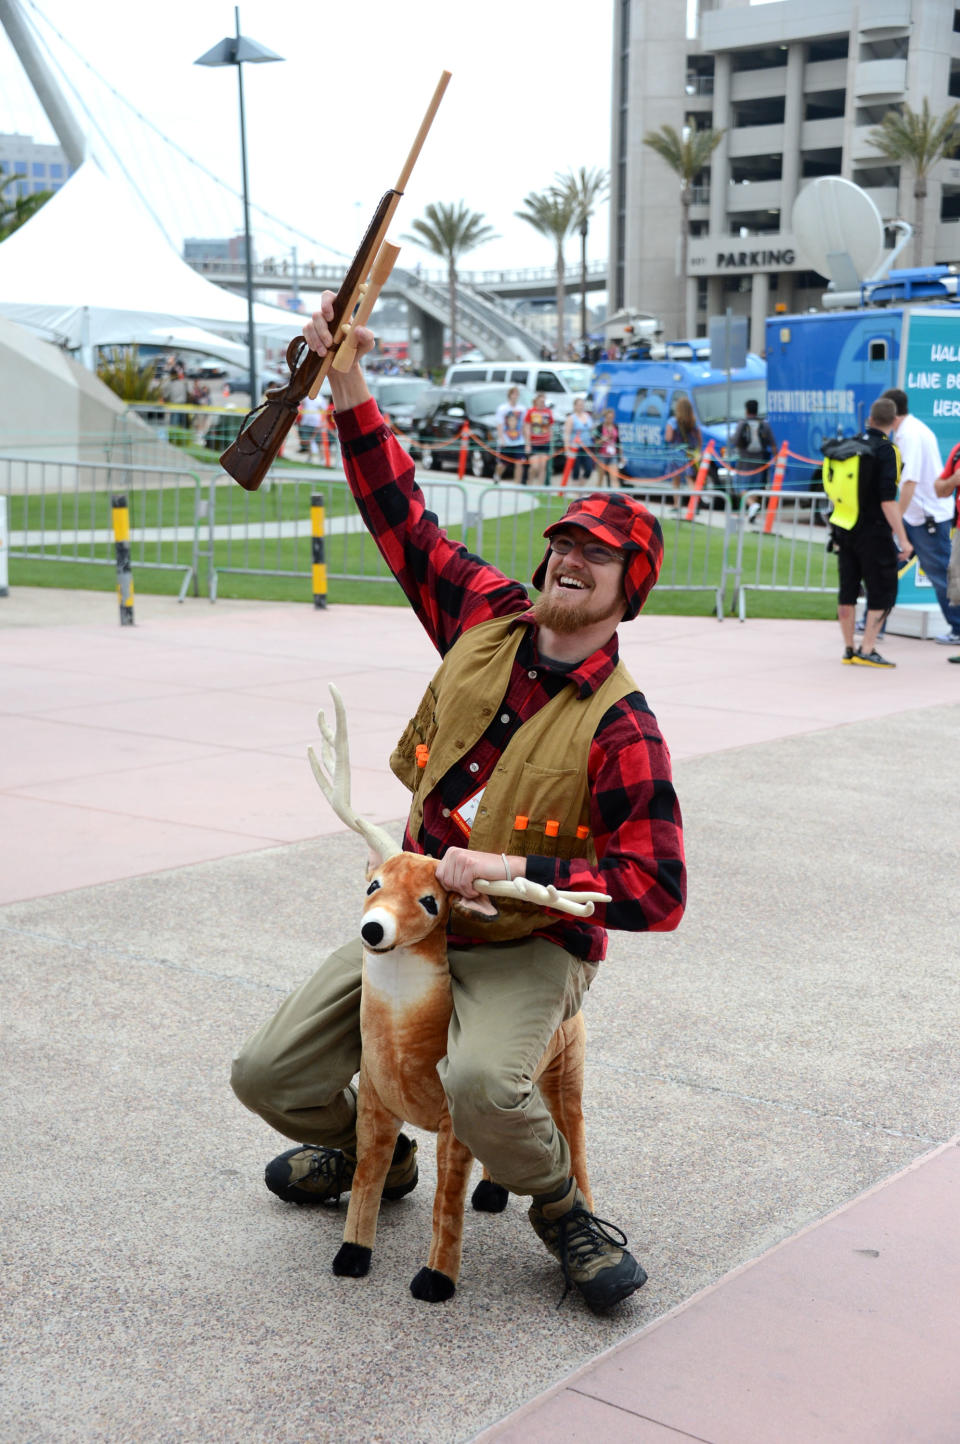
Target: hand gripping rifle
column 261, row 436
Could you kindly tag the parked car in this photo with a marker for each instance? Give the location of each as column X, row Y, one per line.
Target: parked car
column 397, row 397
column 560, row 381
column 238, row 382
column 438, row 420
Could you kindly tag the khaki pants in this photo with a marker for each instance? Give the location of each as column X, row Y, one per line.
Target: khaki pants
column 297, row 1070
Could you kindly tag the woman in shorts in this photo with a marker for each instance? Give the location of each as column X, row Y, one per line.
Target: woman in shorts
column 538, row 434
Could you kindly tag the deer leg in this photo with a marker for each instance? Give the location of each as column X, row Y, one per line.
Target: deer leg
column 377, row 1131
column 438, row 1280
column 489, row 1197
column 561, row 1083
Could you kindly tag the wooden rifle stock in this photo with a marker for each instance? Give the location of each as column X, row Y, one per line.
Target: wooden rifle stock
column 249, row 458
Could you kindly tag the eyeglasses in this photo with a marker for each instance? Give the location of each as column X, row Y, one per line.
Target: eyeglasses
column 593, row 552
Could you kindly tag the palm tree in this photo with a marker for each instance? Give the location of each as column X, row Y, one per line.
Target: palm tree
column 551, row 213
column 120, row 369
column 14, row 214
column 450, row 232
column 687, row 154
column 585, row 188
column 919, row 140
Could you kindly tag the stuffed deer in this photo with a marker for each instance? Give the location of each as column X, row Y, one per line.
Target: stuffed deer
column 405, row 1012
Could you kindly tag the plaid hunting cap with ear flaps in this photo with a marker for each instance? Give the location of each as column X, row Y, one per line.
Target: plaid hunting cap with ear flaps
column 624, row 524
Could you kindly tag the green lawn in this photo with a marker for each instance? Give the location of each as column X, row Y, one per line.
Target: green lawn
column 172, row 505
column 689, row 579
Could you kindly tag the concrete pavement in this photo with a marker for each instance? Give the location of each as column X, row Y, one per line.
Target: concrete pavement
column 168, row 872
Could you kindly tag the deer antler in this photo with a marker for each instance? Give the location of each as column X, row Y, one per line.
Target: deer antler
column 333, row 779
column 579, row 904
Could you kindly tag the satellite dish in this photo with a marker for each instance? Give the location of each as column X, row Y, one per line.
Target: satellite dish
column 839, row 231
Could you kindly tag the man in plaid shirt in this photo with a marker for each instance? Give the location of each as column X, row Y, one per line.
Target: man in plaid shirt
column 560, row 652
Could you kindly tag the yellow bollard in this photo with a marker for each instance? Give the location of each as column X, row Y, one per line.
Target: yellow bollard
column 121, row 537
column 319, row 565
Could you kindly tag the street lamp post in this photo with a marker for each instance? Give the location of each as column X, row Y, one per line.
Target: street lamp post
column 234, row 50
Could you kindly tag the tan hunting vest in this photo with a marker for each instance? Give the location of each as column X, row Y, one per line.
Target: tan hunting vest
column 537, row 799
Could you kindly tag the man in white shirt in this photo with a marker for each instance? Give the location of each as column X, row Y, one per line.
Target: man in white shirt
column 926, row 516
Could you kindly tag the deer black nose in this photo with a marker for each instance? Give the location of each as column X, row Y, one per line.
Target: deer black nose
column 372, row 933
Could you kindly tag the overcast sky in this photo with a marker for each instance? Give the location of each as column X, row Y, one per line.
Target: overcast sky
column 329, row 129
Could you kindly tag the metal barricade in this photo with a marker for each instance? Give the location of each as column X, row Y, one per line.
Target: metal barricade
column 59, row 511
column 697, row 552
column 782, row 545
column 268, row 532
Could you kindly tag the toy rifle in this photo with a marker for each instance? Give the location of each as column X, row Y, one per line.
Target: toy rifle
column 262, row 434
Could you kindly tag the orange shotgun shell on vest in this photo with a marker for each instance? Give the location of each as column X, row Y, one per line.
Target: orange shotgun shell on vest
column 422, row 754
column 552, row 827
column 583, row 832
column 520, row 822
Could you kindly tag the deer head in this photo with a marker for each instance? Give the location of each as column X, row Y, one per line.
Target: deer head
column 404, row 903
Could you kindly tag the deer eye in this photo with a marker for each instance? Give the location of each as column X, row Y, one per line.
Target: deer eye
column 373, row 887
column 429, row 904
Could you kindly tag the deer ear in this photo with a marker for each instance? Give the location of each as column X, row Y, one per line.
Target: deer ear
column 480, row 907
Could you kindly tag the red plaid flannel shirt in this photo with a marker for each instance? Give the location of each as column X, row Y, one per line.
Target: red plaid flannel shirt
column 634, row 812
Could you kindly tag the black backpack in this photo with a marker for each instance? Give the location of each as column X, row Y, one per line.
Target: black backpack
column 751, row 438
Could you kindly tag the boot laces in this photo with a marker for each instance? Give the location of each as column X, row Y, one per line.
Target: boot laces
column 329, row 1166
column 582, row 1236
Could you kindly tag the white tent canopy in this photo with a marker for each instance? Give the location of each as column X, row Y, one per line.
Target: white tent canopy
column 91, row 268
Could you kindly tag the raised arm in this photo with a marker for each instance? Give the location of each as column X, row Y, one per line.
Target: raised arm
column 448, row 587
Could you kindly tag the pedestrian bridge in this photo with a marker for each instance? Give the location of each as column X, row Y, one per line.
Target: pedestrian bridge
column 483, row 316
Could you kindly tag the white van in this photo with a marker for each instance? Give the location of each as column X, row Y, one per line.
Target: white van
column 560, row 381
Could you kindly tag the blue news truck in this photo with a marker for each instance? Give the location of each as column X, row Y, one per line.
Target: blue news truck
column 642, row 395
column 825, row 368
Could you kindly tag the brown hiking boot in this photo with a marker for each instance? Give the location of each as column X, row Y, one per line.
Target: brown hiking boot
column 592, row 1253
column 311, row 1174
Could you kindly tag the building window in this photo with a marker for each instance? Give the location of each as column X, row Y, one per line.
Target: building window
column 756, row 168
column 19, row 167
column 38, row 169
column 833, row 49
column 896, row 48
column 825, row 105
column 56, row 171
column 821, row 162
column 759, row 112
column 950, row 205
column 699, row 75
column 754, row 223
column 877, row 349
column 876, row 176
column 873, row 114
column 770, row 57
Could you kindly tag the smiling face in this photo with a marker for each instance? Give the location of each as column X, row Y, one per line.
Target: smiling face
column 578, row 593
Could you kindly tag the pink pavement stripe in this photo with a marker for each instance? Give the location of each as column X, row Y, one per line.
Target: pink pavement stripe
column 847, row 1331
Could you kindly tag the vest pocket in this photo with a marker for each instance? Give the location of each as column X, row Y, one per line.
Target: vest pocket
column 546, row 812
column 419, row 731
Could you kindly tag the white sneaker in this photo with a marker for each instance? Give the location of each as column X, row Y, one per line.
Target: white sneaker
column 948, row 639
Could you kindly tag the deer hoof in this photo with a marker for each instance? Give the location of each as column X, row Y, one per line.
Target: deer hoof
column 432, row 1287
column 352, row 1261
column 489, row 1197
